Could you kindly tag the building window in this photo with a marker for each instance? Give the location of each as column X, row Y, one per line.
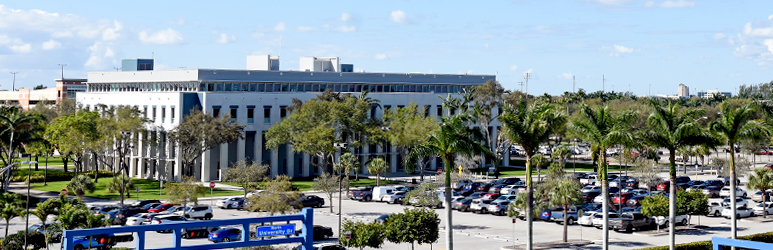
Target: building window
column 250, row 115
column 282, row 112
column 266, row 114
column 171, row 114
column 426, row 110
column 145, row 111
column 163, row 114
column 233, row 113
column 439, row 110
column 154, row 114
column 216, row 111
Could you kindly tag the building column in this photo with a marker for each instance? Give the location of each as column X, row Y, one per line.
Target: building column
column 241, row 146
column 204, row 170
column 290, row 161
column 306, row 164
column 274, row 166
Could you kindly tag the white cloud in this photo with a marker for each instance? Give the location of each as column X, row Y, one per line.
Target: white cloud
column 112, row 33
column 381, row 56
column 513, row 67
column 346, row 17
column 757, row 32
column 399, row 16
column 769, row 43
column 225, row 38
column 755, row 42
column 617, row 50
column 51, row 44
column 167, row 36
column 24, row 48
column 612, row 2
column 566, row 76
column 280, row 26
column 345, row 28
column 305, row 28
column 99, row 57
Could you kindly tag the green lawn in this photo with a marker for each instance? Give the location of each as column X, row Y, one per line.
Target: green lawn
column 149, row 189
column 304, row 184
column 52, row 161
column 581, row 167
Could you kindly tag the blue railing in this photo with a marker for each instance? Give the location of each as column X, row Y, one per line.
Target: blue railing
column 718, row 243
column 306, row 237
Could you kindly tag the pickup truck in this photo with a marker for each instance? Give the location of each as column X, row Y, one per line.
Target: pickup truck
column 631, row 221
column 589, row 180
column 571, row 215
column 362, row 194
column 715, row 209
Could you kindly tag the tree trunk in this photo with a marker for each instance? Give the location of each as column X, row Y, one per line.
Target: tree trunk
column 672, row 200
column 732, row 193
column 449, row 224
column 529, row 202
column 764, row 207
column 36, row 162
column 378, row 179
column 565, row 222
column 64, row 160
column 96, row 168
column 605, row 203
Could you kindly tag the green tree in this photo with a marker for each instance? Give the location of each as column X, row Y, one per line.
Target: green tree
column 363, row 234
column 487, row 98
column 566, row 193
column 71, row 216
column 377, row 166
column 199, row 132
column 425, row 195
column 119, row 184
column 408, row 128
column 245, row 174
column 16, row 129
column 9, row 211
column 74, row 135
column 655, row 205
column 561, row 153
column 761, row 180
column 328, row 184
column 530, row 126
column 42, row 211
column 278, row 197
column 185, row 192
column 419, row 225
column 692, row 203
column 79, row 185
column 672, row 128
column 454, row 136
column 732, row 126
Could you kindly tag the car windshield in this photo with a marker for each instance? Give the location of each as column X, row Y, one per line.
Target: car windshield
column 159, row 207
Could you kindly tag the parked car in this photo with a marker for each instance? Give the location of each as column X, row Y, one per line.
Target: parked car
column 382, row 219
column 142, row 203
column 664, row 186
column 104, row 209
column 588, row 189
column 739, row 202
column 312, row 201
column 508, row 181
column 590, row 196
column 92, row 241
column 234, row 202
column 621, row 198
column 362, row 194
column 462, row 205
column 148, row 206
column 682, row 179
column 763, row 208
column 170, row 219
column 55, row 232
column 587, row 218
column 324, row 246
column 598, row 219
column 715, row 208
column 509, row 189
column 712, row 191
column 679, row 219
column 590, row 179
column 757, row 196
column 635, row 201
column 498, row 207
column 379, row 192
column 725, row 192
column 123, row 214
column 479, row 205
column 395, row 197
column 202, row 212
column 320, row 232
column 225, row 235
column 160, row 208
column 138, row 219
column 496, row 188
column 740, row 212
column 714, row 182
column 631, row 221
column 571, row 215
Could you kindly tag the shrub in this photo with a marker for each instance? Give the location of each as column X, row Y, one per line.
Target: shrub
column 706, row 245
column 15, row 241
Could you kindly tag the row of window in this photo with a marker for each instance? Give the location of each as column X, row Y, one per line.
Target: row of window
column 273, row 87
column 234, row 113
column 153, row 112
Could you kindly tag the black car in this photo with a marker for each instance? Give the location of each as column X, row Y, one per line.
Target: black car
column 148, row 206
column 312, row 201
column 714, row 183
column 507, row 181
column 694, row 182
column 588, row 196
column 462, row 205
column 55, row 232
column 682, row 179
column 142, row 203
column 125, row 213
column 635, row 201
column 320, row 232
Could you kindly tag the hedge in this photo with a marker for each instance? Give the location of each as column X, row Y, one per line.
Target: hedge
column 706, row 245
column 61, row 176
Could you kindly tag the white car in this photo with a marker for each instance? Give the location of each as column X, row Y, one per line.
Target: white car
column 394, row 197
column 586, row 218
column 234, row 202
column 680, row 219
column 600, row 199
column 765, row 209
column 715, row 208
column 203, row 212
column 739, row 202
column 509, row 189
column 741, row 212
column 588, row 189
column 725, row 192
column 256, row 192
column 138, row 219
column 591, row 179
column 598, row 219
column 479, row 206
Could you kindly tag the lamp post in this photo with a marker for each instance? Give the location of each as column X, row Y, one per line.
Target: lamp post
column 124, row 137
column 27, row 215
column 13, row 87
column 338, row 147
column 386, row 146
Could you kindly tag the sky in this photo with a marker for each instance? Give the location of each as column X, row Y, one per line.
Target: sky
column 647, row 46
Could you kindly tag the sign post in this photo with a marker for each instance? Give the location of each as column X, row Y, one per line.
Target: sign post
column 348, row 235
column 64, row 191
column 161, row 190
column 211, row 188
column 138, row 193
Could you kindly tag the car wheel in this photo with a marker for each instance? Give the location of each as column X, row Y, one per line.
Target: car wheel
column 367, row 198
column 208, row 217
column 226, row 239
column 684, row 222
column 765, row 213
column 78, row 247
column 569, row 221
column 230, row 206
column 738, row 216
column 716, row 214
column 629, row 229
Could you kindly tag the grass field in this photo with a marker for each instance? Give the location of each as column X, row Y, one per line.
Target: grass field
column 304, row 184
column 581, row 167
column 149, row 189
column 52, row 161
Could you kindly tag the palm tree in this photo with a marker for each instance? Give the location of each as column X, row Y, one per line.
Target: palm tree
column 562, row 153
column 603, row 130
column 95, row 220
column 115, row 185
column 454, row 136
column 377, row 166
column 79, row 185
column 71, row 217
column 672, row 128
column 565, row 193
column 17, row 128
column 530, row 126
column 762, row 180
column 7, row 212
column 734, row 125
column 42, row 211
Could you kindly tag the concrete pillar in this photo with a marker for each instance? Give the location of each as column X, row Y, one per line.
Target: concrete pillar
column 290, row 162
column 275, row 162
column 241, row 146
column 306, row 165
column 203, row 167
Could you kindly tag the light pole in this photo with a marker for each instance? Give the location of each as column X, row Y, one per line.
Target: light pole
column 27, row 215
column 62, row 65
column 338, row 147
column 386, row 146
column 13, row 87
column 124, row 137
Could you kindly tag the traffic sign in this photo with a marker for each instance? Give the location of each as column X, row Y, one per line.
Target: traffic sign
column 274, row 230
column 138, row 189
column 348, row 235
column 211, row 184
column 64, row 191
column 513, row 220
column 439, row 171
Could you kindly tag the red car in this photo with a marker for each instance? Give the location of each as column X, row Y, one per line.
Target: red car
column 621, row 198
column 490, row 196
column 160, row 208
column 664, row 186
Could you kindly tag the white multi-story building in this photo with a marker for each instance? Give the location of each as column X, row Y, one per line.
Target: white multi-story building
column 256, row 97
column 684, row 91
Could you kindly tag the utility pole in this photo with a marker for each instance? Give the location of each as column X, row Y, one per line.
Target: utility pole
column 603, row 83
column 62, row 65
column 13, row 87
column 521, row 84
column 573, row 84
column 527, row 76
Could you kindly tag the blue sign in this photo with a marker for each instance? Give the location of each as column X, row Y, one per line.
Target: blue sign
column 274, row 230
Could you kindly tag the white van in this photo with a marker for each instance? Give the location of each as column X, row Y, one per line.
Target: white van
column 380, row 192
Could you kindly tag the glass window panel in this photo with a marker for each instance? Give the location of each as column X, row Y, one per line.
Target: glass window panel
column 399, row 88
column 307, row 87
column 293, row 87
column 358, row 88
column 379, row 88
column 228, row 87
column 337, row 88
column 261, row 87
column 253, row 87
column 220, row 86
column 315, row 87
column 277, row 87
column 269, row 87
column 285, row 87
column 432, row 88
column 322, row 87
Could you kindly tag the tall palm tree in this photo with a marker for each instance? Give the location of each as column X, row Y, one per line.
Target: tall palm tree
column 762, row 180
column 16, row 128
column 42, row 211
column 9, row 211
column 377, row 166
column 603, row 130
column 454, row 136
column 530, row 126
column 734, row 125
column 672, row 128
column 565, row 193
column 79, row 185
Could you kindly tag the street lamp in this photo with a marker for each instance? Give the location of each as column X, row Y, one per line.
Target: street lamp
column 124, row 136
column 339, row 146
column 27, row 215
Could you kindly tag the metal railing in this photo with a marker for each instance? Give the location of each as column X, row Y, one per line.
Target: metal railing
column 305, row 237
column 718, row 243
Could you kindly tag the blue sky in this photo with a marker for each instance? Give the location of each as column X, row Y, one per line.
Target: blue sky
column 705, row 44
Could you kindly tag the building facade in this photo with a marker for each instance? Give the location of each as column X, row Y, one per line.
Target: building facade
column 257, row 98
column 28, row 98
column 684, row 91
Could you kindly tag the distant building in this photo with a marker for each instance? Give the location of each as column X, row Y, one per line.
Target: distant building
column 28, row 98
column 684, row 91
column 711, row 93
